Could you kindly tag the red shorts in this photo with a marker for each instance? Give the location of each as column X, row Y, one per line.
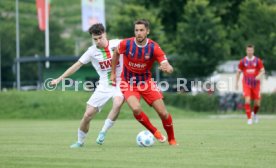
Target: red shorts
column 148, row 90
column 253, row 93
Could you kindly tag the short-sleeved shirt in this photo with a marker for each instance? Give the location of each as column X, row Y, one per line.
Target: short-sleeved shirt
column 138, row 60
column 250, row 69
column 101, row 59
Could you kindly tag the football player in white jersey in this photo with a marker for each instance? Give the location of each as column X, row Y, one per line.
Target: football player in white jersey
column 100, row 57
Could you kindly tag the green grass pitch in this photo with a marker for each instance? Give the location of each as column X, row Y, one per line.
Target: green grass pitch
column 204, row 142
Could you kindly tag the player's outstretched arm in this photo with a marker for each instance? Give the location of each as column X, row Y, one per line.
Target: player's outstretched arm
column 166, row 67
column 115, row 59
column 67, row 73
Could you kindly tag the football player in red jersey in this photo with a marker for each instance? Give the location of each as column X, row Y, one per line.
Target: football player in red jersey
column 252, row 68
column 139, row 54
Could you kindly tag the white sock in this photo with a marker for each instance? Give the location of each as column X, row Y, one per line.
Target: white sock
column 81, row 136
column 107, row 124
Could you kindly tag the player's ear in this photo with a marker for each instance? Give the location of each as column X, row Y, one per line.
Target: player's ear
column 148, row 31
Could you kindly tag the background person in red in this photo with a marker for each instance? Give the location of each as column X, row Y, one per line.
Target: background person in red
column 139, row 54
column 252, row 69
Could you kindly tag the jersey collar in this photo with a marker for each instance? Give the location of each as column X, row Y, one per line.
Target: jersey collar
column 250, row 59
column 140, row 45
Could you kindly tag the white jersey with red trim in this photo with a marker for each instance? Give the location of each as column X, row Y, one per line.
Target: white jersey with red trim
column 101, row 59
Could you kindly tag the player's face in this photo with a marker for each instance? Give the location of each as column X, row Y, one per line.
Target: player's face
column 250, row 51
column 141, row 33
column 100, row 40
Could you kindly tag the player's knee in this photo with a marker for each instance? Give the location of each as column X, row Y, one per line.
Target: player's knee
column 257, row 103
column 137, row 109
column 163, row 115
column 87, row 115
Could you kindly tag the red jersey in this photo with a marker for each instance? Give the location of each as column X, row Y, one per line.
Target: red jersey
column 250, row 69
column 138, row 60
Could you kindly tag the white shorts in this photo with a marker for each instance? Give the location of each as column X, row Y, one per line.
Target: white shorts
column 102, row 94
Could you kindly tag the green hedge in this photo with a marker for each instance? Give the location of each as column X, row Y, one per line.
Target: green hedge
column 63, row 105
column 71, row 105
column 268, row 104
column 210, row 103
column 200, row 102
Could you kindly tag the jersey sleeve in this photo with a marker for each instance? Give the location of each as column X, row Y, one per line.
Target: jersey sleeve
column 122, row 47
column 260, row 64
column 115, row 42
column 86, row 57
column 159, row 54
column 240, row 66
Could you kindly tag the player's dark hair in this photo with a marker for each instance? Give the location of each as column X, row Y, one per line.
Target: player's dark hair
column 96, row 29
column 250, row 46
column 142, row 21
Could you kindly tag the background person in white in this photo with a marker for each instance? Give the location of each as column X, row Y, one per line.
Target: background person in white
column 100, row 57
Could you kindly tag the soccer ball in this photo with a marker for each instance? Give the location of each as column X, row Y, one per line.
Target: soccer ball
column 145, row 139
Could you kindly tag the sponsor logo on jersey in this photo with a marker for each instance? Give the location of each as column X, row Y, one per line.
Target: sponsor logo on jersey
column 137, row 65
column 250, row 71
column 106, row 64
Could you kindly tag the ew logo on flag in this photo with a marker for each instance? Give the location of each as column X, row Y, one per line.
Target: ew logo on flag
column 92, row 12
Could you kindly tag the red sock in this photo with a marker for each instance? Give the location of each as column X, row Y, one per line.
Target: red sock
column 256, row 109
column 168, row 126
column 247, row 110
column 144, row 120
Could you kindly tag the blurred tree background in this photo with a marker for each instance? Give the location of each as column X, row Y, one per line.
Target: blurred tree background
column 197, row 35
